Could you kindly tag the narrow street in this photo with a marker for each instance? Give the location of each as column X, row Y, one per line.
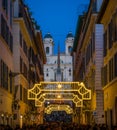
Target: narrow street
column 58, row 65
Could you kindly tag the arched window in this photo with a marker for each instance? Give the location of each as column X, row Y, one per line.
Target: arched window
column 47, row 50
column 69, row 49
column 69, row 71
column 61, row 61
column 47, row 74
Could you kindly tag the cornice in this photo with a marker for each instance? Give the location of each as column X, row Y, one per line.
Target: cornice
column 109, row 11
column 110, row 53
column 23, row 30
column 87, row 34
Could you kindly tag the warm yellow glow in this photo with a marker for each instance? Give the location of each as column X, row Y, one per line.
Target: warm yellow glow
column 44, row 94
column 64, row 91
column 21, row 116
column 76, row 100
column 21, row 121
column 59, row 86
column 48, row 102
column 2, row 115
column 56, row 107
column 82, row 83
column 59, row 96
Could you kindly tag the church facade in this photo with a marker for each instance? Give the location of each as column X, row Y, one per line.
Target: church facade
column 58, row 67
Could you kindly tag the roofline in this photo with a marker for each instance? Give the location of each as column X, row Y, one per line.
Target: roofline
column 102, row 10
column 77, row 33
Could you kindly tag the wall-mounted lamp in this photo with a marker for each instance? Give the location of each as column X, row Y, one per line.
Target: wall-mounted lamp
column 2, row 115
column 48, row 102
column 21, row 116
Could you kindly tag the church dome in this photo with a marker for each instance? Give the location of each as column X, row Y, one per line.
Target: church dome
column 69, row 35
column 48, row 35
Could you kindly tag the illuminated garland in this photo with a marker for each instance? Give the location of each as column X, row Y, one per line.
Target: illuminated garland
column 59, row 91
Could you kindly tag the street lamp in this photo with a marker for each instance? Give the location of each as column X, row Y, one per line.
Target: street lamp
column 21, row 123
column 2, row 117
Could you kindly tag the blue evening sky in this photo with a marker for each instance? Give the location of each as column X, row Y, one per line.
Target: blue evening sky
column 58, row 17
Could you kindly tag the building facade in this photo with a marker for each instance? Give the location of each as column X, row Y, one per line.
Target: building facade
column 6, row 60
column 88, row 61
column 108, row 17
column 22, row 57
column 58, row 68
column 50, row 68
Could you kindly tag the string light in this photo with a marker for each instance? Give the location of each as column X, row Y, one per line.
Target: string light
column 74, row 91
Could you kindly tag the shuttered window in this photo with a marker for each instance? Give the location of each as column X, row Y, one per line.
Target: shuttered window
column 105, row 44
column 6, row 34
column 111, row 70
column 115, row 65
column 104, row 76
column 110, row 36
column 4, row 75
column 5, row 5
